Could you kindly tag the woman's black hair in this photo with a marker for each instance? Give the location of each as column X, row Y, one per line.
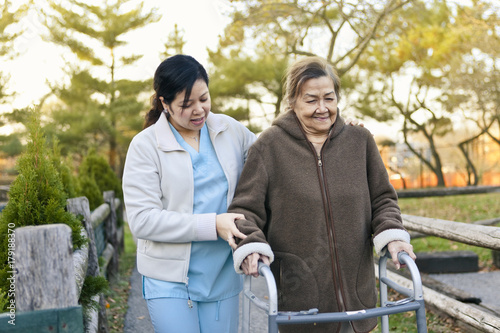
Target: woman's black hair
column 173, row 76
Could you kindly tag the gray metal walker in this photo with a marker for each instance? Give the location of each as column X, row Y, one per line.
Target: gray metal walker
column 414, row 302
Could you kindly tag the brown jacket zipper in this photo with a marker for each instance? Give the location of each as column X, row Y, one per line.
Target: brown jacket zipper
column 337, row 282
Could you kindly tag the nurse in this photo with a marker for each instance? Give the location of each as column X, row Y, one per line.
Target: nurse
column 179, row 178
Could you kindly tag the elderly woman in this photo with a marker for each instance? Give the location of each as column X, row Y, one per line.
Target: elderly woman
column 316, row 199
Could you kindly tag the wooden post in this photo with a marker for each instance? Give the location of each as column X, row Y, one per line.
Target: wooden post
column 111, row 234
column 46, row 277
column 80, row 206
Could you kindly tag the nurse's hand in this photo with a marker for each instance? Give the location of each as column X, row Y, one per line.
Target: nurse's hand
column 354, row 122
column 250, row 265
column 226, row 229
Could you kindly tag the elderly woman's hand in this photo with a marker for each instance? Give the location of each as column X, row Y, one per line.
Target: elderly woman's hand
column 226, row 228
column 250, row 265
column 395, row 247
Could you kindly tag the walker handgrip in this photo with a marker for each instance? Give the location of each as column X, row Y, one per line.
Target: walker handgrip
column 401, row 257
column 404, row 258
column 265, row 271
column 262, row 267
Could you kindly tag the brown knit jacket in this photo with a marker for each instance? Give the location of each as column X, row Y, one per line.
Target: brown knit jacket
column 319, row 216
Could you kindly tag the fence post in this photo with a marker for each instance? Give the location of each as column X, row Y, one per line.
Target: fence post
column 112, row 234
column 80, row 206
column 44, row 264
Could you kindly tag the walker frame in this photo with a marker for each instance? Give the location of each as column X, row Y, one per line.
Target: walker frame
column 413, row 302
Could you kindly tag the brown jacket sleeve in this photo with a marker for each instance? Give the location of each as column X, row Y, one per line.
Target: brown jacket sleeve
column 250, row 200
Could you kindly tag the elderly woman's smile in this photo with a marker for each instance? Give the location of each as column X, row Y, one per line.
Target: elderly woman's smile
column 316, row 107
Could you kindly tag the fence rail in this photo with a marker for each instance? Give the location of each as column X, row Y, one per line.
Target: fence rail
column 50, row 276
column 472, row 234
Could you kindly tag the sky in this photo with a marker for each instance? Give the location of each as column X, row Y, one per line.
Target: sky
column 38, row 62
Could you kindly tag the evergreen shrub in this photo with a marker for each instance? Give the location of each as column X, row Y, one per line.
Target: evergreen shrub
column 36, row 197
column 97, row 176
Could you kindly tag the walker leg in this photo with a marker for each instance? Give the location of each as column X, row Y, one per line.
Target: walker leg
column 421, row 320
column 272, row 325
column 382, row 273
column 245, row 306
column 384, row 323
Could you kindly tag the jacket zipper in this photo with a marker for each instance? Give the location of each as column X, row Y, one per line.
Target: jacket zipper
column 329, row 220
column 190, row 302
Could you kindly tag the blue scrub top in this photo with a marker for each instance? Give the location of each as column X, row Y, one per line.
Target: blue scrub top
column 211, row 272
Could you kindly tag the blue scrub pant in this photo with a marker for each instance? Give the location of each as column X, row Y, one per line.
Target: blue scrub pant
column 172, row 315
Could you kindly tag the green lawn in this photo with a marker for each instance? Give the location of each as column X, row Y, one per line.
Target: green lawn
column 459, row 208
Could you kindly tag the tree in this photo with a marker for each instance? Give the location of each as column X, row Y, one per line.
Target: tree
column 108, row 106
column 9, row 18
column 473, row 85
column 428, row 42
column 175, row 43
column 238, row 80
column 36, row 197
column 10, row 145
column 265, row 35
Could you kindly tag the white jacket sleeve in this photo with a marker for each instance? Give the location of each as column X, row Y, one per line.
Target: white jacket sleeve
column 147, row 217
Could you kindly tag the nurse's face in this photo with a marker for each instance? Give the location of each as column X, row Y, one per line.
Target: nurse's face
column 190, row 117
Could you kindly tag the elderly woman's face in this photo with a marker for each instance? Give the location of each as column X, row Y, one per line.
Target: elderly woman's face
column 316, row 106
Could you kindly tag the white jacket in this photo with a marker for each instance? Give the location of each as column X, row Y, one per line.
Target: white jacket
column 158, row 193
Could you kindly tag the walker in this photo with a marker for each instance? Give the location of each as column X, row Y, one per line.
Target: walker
column 414, row 302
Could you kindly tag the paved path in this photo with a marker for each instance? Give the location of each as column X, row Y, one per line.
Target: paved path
column 137, row 318
column 485, row 286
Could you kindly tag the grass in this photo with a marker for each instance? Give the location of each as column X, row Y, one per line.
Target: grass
column 463, row 208
column 459, row 208
column 119, row 289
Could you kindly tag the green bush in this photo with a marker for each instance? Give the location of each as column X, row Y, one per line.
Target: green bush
column 95, row 169
column 88, row 188
column 93, row 285
column 4, row 300
column 69, row 181
column 36, row 196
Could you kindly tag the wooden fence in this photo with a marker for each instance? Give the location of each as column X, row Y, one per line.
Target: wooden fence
column 49, row 276
column 475, row 316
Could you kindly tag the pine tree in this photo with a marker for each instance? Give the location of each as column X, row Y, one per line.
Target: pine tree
column 36, row 196
column 98, row 110
column 10, row 145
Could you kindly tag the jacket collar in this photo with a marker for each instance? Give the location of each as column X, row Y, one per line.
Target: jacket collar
column 289, row 122
column 165, row 138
